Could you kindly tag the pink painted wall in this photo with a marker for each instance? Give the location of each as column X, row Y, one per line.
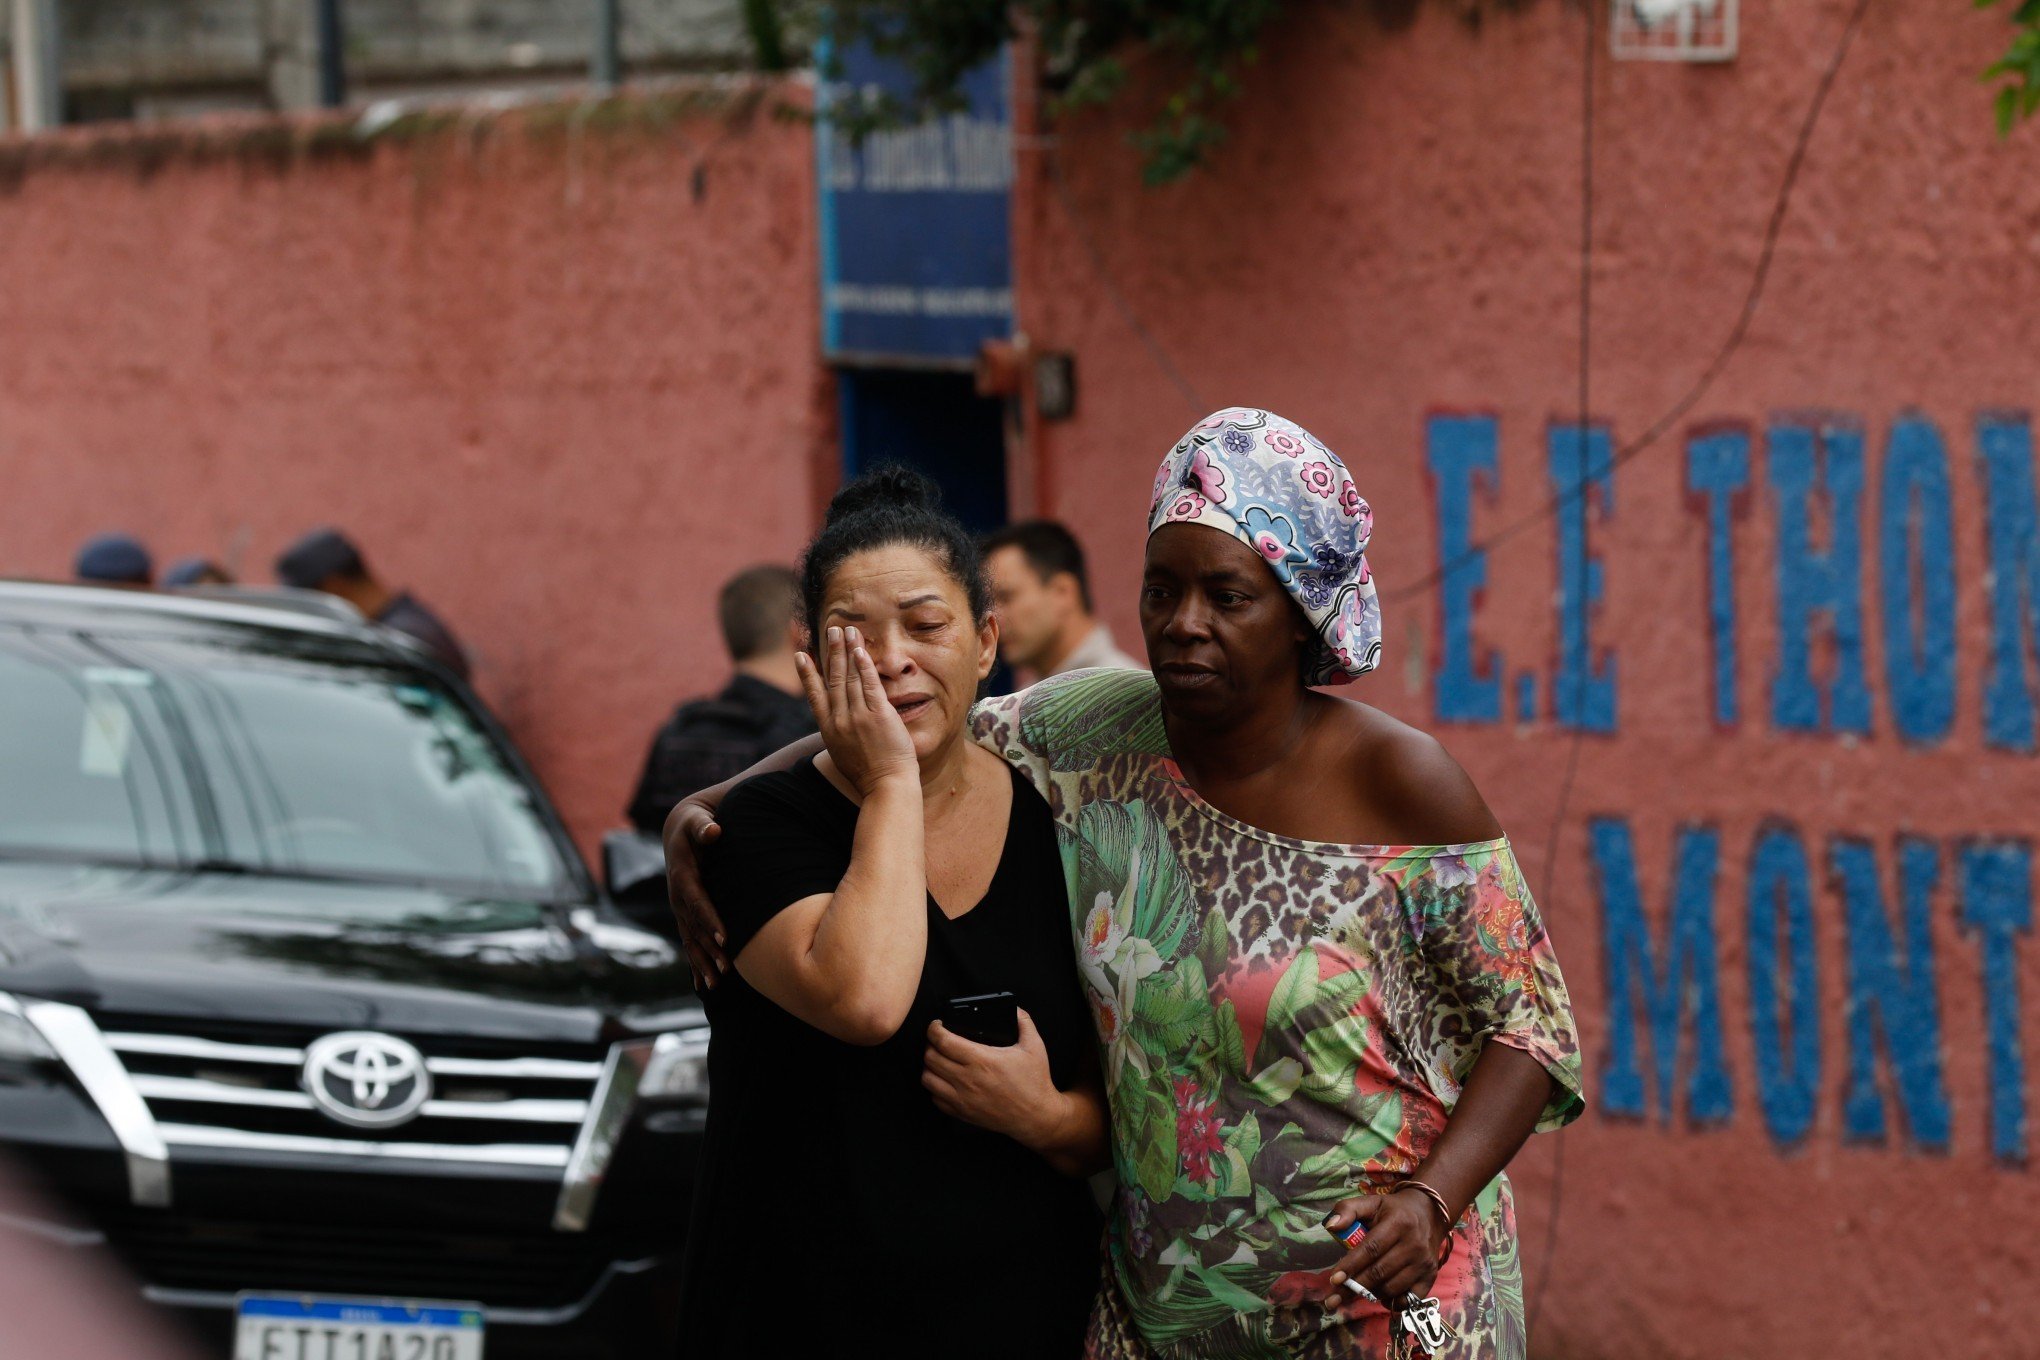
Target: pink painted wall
column 1392, row 235
column 561, row 382
column 562, row 393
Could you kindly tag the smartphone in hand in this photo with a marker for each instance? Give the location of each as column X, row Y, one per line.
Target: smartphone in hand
column 992, row 1019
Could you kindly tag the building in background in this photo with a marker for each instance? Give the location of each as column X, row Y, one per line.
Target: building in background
column 915, row 228
column 1776, row 666
column 156, row 59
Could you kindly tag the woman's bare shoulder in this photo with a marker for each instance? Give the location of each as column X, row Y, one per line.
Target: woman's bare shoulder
column 1412, row 780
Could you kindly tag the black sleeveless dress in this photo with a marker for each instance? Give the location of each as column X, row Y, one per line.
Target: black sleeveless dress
column 837, row 1210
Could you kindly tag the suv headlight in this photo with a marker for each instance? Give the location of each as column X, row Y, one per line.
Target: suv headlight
column 20, row 1040
column 678, row 1069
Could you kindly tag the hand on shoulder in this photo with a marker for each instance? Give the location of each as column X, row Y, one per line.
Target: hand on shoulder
column 1093, row 684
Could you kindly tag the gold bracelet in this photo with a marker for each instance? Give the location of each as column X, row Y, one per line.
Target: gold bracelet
column 1430, row 1194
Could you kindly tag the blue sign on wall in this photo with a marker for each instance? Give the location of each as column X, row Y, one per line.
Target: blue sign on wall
column 915, row 234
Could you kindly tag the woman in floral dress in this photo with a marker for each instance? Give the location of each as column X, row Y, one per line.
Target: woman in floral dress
column 1319, row 981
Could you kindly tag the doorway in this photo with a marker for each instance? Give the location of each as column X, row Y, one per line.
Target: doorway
column 934, row 422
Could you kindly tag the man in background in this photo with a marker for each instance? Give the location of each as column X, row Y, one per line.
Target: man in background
column 114, row 560
column 327, row 560
column 1043, row 599
column 195, row 571
column 760, row 710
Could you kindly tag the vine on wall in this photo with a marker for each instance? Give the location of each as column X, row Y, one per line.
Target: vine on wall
column 1206, row 48
column 2018, row 70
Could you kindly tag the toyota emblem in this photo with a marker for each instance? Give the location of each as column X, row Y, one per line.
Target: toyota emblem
column 367, row 1080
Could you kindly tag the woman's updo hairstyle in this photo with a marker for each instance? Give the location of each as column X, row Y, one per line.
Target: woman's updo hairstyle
column 888, row 506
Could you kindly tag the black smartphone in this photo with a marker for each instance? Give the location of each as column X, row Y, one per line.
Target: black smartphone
column 992, row 1019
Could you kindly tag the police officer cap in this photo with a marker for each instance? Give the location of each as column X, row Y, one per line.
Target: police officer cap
column 116, row 559
column 318, row 555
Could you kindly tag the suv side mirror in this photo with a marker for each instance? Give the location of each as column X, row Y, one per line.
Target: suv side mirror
column 634, row 872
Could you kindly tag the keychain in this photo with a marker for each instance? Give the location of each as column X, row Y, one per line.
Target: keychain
column 1417, row 1320
column 1423, row 1322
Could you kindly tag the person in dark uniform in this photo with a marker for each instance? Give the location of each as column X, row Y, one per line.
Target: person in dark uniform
column 114, row 560
column 195, row 571
column 761, row 709
column 327, row 560
column 872, row 1182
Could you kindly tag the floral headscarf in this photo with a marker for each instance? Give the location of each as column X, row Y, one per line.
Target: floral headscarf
column 1269, row 483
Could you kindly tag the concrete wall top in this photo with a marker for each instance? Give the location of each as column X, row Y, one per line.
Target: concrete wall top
column 152, row 42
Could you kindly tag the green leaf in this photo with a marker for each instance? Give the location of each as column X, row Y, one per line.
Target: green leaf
column 1187, row 1291
column 1336, row 1048
column 2020, row 98
column 1245, row 1138
column 1328, row 1088
column 1214, row 944
column 1333, row 1001
column 1403, row 864
column 1232, row 1047
column 1292, row 994
column 1095, row 82
column 1171, row 1010
column 1477, row 861
column 1276, row 1082
column 1377, row 1121
column 1225, row 1291
column 1342, row 990
column 1233, row 1176
column 1144, row 1121
column 1173, row 995
column 1081, row 721
column 1155, row 1164
column 1124, row 851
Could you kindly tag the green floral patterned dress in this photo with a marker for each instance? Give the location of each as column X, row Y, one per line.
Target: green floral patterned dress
column 1285, row 1023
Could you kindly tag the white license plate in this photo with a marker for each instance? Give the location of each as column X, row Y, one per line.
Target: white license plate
column 312, row 1327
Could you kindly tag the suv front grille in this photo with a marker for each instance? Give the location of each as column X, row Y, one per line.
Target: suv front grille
column 515, row 1109
column 225, row 1258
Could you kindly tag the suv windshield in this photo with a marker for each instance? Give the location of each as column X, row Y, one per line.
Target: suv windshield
column 236, row 755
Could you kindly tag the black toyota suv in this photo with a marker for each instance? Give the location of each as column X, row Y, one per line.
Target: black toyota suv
column 311, row 1016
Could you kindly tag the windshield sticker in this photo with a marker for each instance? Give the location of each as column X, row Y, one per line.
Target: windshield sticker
column 416, row 698
column 103, row 746
column 118, row 675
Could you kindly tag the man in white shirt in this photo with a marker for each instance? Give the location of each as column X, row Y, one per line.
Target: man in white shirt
column 1043, row 600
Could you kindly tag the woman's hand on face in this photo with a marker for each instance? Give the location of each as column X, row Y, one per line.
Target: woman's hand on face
column 863, row 730
column 689, row 826
column 1399, row 1255
column 1007, row 1090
